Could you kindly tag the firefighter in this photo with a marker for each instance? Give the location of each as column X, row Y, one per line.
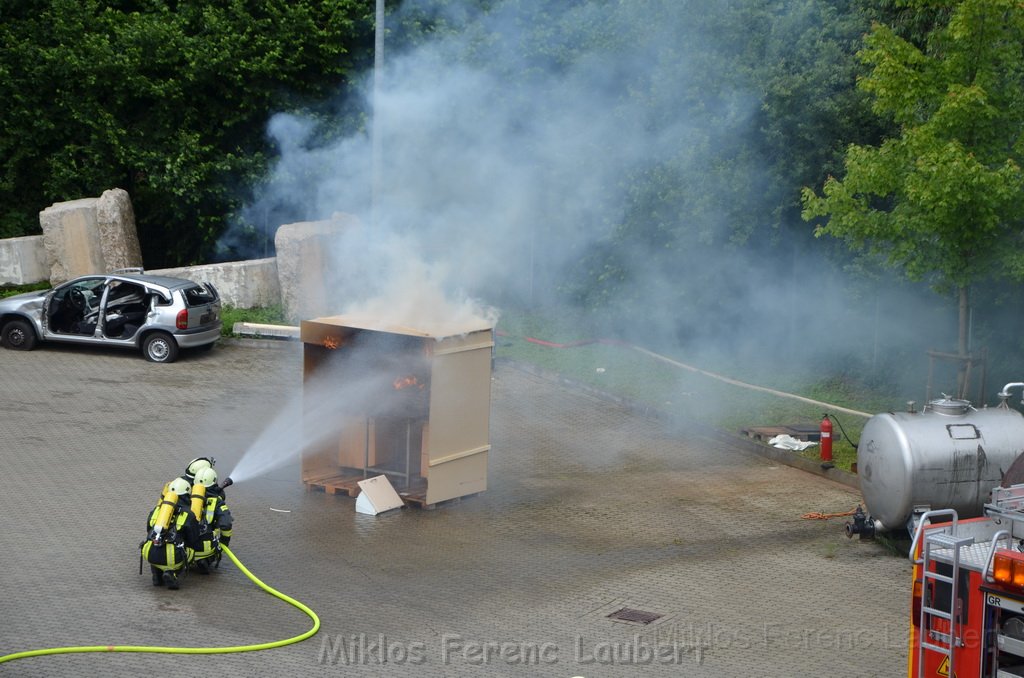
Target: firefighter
column 171, row 534
column 215, row 524
column 196, row 465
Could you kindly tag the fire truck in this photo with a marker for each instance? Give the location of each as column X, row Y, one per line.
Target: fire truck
column 967, row 612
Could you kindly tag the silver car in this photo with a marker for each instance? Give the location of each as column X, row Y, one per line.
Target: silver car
column 153, row 313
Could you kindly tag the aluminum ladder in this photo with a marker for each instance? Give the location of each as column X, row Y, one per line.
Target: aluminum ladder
column 931, row 641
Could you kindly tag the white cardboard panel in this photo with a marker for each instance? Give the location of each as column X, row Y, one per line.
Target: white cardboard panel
column 377, row 496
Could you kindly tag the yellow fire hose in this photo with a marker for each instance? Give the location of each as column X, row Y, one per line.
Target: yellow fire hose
column 189, row 650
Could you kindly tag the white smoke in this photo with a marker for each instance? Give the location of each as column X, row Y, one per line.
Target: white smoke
column 512, row 151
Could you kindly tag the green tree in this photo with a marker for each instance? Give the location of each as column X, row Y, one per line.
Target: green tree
column 165, row 99
column 771, row 91
column 942, row 198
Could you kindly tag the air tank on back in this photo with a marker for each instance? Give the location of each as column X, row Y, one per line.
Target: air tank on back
column 949, row 455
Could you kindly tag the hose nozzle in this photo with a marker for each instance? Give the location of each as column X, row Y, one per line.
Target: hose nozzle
column 226, row 483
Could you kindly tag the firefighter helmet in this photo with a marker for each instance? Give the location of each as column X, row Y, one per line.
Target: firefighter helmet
column 196, row 465
column 206, row 477
column 179, row 486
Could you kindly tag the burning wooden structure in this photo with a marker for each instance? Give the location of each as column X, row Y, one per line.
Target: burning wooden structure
column 415, row 407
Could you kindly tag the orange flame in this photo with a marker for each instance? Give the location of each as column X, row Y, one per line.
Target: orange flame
column 406, row 382
column 331, row 343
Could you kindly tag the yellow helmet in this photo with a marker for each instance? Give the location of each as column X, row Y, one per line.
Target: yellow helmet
column 179, row 486
column 206, row 477
column 198, row 464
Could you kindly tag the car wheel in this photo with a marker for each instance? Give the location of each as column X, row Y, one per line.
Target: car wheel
column 160, row 347
column 19, row 335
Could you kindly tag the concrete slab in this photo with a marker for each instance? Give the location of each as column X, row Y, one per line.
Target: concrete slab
column 90, row 235
column 590, row 508
column 242, row 284
column 23, row 260
column 309, row 288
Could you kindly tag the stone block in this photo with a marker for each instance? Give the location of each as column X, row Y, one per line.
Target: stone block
column 119, row 239
column 23, row 261
column 90, row 235
column 304, row 267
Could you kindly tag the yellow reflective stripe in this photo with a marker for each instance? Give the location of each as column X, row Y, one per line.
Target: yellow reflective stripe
column 171, row 561
column 207, row 550
column 211, row 508
column 169, row 554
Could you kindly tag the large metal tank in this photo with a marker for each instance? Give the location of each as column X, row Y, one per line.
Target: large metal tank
column 949, row 455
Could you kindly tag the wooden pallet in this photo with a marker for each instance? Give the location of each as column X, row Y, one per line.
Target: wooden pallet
column 348, row 484
column 804, row 431
column 798, row 431
column 419, row 498
column 413, row 498
column 763, row 433
column 415, row 494
column 340, row 484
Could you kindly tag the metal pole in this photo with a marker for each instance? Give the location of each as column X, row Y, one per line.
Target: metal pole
column 408, row 441
column 366, row 447
column 378, row 63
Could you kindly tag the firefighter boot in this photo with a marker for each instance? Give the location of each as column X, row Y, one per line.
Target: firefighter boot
column 171, row 580
column 158, row 576
column 201, row 566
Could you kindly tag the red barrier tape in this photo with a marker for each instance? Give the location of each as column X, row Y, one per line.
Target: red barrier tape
column 574, row 344
column 571, row 344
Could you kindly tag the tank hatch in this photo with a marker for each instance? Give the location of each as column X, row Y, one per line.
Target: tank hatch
column 951, row 406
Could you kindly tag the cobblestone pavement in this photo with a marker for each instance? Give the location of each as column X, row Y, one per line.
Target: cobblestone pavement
column 590, row 509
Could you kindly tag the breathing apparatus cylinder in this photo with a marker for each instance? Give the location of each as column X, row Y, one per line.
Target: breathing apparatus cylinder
column 198, row 500
column 178, row 487
column 163, row 517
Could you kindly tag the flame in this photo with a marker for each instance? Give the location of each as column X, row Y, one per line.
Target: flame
column 406, row 382
column 331, row 343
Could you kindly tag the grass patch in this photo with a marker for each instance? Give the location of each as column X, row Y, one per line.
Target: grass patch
column 11, row 290
column 229, row 315
column 665, row 383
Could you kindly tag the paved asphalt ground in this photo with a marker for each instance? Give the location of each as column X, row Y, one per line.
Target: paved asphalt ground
column 590, row 509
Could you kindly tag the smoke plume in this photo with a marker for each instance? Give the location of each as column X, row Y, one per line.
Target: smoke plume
column 591, row 151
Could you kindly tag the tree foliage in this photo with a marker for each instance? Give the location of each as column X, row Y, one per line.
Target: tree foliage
column 165, row 99
column 771, row 88
column 747, row 101
column 942, row 198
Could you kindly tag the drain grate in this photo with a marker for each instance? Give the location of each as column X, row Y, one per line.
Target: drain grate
column 635, row 616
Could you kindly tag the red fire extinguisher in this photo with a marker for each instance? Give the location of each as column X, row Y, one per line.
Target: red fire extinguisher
column 826, row 438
